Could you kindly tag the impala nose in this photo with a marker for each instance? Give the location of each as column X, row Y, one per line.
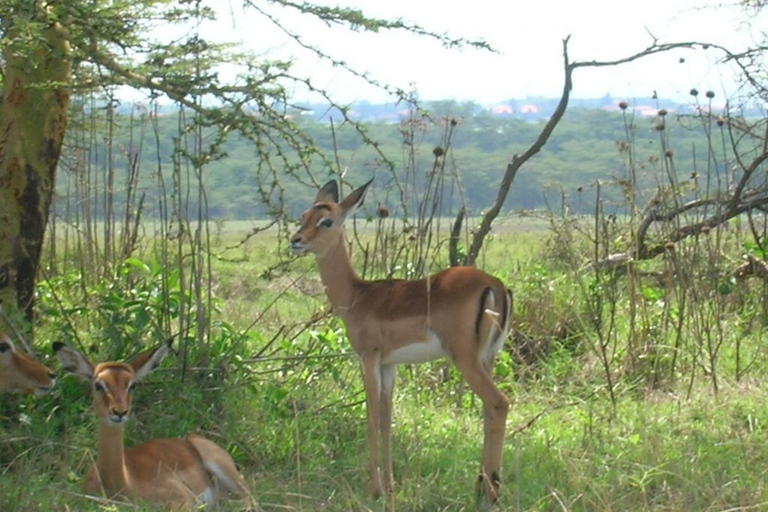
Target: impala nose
column 118, row 416
column 297, row 245
column 44, row 390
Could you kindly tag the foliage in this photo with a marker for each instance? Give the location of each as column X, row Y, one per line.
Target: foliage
column 638, row 380
column 581, row 152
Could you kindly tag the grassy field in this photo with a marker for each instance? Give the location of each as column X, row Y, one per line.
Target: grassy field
column 618, row 404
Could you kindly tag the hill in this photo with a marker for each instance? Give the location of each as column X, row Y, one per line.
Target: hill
column 591, row 144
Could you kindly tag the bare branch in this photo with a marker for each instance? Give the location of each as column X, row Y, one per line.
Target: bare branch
column 520, row 159
column 753, row 267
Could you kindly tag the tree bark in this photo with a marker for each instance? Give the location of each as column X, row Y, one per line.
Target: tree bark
column 33, row 120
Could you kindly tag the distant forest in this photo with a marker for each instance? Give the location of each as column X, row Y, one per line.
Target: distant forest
column 593, row 143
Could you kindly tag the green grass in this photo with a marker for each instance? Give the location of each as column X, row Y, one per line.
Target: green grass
column 658, row 451
column 295, row 422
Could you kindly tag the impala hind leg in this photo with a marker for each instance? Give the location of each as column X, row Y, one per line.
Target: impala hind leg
column 495, row 409
column 372, row 383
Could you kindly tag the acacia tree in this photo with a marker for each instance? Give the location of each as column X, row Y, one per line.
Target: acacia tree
column 51, row 49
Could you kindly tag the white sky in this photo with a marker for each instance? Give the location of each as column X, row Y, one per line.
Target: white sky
column 528, row 35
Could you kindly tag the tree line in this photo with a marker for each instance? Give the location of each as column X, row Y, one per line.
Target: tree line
column 586, row 149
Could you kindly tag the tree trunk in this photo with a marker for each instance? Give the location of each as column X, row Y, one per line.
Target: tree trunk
column 33, row 119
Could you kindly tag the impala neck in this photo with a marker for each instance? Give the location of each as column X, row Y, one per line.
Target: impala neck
column 111, row 459
column 338, row 276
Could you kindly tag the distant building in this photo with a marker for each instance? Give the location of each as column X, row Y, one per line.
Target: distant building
column 641, row 110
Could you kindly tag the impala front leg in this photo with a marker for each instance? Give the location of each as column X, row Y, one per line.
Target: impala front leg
column 388, row 374
column 372, row 383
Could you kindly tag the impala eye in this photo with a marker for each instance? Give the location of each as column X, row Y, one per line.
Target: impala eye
column 5, row 347
column 325, row 222
column 131, row 387
column 100, row 386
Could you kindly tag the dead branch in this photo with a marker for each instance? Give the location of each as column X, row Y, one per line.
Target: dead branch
column 726, row 208
column 453, row 244
column 518, row 160
column 753, row 267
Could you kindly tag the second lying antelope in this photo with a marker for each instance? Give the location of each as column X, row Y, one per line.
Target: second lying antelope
column 19, row 373
column 173, row 472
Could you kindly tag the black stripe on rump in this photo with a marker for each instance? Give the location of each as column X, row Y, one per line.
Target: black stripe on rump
column 483, row 298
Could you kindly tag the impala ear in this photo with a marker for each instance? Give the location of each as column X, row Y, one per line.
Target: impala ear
column 354, row 200
column 144, row 363
column 73, row 361
column 329, row 193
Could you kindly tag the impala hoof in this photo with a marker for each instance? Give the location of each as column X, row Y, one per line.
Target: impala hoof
column 374, row 487
column 487, row 490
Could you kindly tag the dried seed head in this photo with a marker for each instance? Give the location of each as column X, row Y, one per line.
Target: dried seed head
column 454, row 121
column 438, row 151
column 705, row 230
column 694, row 175
column 623, row 105
column 580, row 189
column 720, row 121
column 669, row 153
column 710, row 94
column 662, row 112
column 681, row 60
column 659, row 126
column 382, row 211
column 694, row 92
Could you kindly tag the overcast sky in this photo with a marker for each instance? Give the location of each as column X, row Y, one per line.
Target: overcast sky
column 528, row 36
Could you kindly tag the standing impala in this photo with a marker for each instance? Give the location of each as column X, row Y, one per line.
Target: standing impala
column 176, row 473
column 461, row 313
column 20, row 373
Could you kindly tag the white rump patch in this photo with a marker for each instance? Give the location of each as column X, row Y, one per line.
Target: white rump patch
column 496, row 334
column 418, row 352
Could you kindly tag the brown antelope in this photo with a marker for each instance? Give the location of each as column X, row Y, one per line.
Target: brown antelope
column 461, row 313
column 20, row 373
column 176, row 473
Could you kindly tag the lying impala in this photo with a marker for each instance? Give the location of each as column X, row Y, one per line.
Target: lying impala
column 176, row 473
column 20, row 373
column 462, row 313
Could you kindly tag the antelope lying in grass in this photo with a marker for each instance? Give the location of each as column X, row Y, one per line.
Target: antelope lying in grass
column 176, row 473
column 19, row 373
column 461, row 313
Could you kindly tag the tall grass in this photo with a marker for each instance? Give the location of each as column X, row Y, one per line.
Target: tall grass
column 638, row 382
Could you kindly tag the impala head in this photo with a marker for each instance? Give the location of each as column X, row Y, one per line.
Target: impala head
column 112, row 382
column 321, row 225
column 20, row 373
